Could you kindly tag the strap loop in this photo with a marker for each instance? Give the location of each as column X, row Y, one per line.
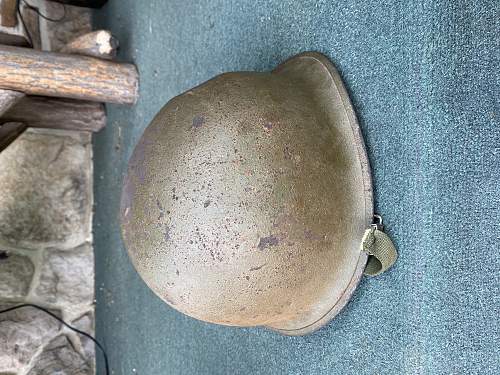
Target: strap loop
column 382, row 252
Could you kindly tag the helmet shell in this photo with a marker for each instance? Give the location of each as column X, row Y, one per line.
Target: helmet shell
column 247, row 197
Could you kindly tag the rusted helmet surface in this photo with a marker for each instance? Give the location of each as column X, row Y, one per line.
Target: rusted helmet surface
column 247, row 197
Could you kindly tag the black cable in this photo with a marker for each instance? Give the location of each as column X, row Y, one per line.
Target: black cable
column 30, row 40
column 29, row 6
column 67, row 325
column 37, row 11
column 28, row 34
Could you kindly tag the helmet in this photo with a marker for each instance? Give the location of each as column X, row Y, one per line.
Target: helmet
column 247, row 198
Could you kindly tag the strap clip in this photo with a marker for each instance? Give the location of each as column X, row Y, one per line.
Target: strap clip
column 378, row 245
column 378, row 222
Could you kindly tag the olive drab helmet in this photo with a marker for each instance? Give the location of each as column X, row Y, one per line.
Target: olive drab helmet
column 248, row 199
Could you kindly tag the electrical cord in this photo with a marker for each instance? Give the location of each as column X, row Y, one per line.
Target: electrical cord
column 106, row 364
column 30, row 40
column 28, row 34
column 37, row 11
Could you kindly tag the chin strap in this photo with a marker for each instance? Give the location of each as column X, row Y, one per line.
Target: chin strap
column 378, row 245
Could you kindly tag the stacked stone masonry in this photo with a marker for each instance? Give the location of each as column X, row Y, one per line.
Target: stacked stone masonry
column 46, row 254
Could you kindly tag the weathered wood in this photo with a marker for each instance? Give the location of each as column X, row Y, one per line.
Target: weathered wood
column 9, row 132
column 8, row 13
column 17, row 35
column 32, row 23
column 98, row 43
column 8, row 98
column 63, row 75
column 14, row 36
column 44, row 112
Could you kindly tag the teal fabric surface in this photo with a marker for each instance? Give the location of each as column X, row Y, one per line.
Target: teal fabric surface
column 424, row 80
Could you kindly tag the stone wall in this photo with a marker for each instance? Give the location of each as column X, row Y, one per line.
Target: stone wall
column 46, row 254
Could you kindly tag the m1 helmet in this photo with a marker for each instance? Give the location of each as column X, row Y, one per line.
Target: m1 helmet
column 247, row 198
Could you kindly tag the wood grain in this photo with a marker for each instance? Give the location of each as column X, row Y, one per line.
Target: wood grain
column 17, row 35
column 44, row 112
column 8, row 98
column 98, row 43
column 9, row 132
column 63, row 75
column 8, row 13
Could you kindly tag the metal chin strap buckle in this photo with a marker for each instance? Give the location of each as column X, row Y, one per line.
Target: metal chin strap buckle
column 378, row 223
column 379, row 247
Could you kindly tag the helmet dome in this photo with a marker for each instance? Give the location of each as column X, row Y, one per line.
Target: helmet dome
column 247, row 197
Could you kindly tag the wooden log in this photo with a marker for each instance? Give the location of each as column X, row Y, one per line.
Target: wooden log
column 44, row 112
column 9, row 132
column 98, row 43
column 31, row 25
column 17, row 35
column 8, row 98
column 63, row 75
column 8, row 13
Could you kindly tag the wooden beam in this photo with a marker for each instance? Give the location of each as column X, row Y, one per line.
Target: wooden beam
column 17, row 35
column 8, row 98
column 98, row 43
column 63, row 75
column 31, row 25
column 44, row 112
column 9, row 132
column 8, row 13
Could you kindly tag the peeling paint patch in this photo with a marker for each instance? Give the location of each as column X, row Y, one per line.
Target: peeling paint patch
column 161, row 209
column 310, row 235
column 267, row 242
column 166, row 233
column 268, row 126
column 198, row 122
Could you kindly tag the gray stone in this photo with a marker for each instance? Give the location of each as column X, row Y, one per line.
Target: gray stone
column 86, row 324
column 46, row 188
column 60, row 358
column 16, row 273
column 46, row 203
column 67, row 277
column 22, row 333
